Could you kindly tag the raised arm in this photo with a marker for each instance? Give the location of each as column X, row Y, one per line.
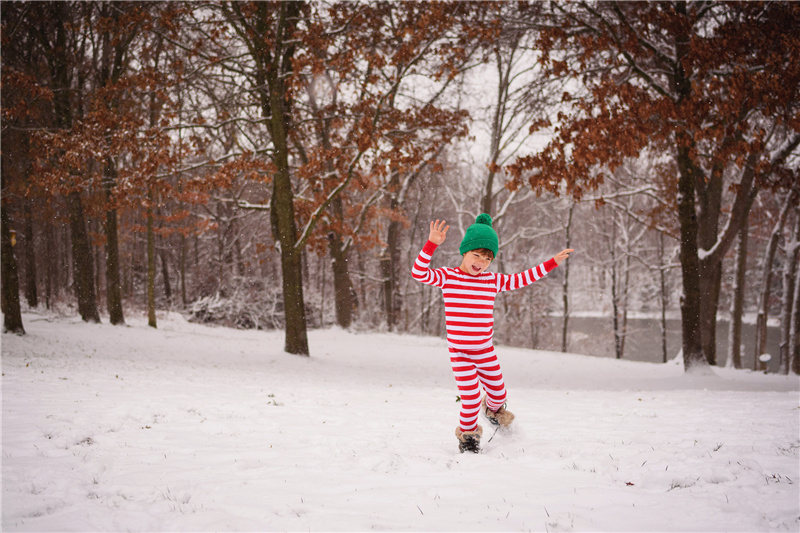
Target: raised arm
column 438, row 232
column 421, row 270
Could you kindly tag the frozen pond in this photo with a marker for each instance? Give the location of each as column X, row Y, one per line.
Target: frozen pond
column 592, row 335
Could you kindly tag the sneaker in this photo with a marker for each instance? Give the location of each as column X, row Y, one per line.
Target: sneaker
column 502, row 417
column 469, row 441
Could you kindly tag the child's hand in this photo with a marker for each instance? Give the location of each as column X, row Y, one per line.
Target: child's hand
column 438, row 232
column 562, row 255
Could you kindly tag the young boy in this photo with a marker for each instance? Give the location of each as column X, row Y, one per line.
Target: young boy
column 469, row 292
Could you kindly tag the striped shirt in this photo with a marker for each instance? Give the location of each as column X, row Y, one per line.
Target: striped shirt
column 469, row 300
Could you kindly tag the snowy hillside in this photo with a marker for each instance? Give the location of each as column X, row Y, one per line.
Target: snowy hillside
column 191, row 428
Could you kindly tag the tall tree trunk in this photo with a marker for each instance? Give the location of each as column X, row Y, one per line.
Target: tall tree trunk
column 183, row 269
column 687, row 216
column 737, row 302
column 690, row 264
column 50, row 282
column 12, row 314
column 31, row 294
column 795, row 328
column 345, row 300
column 83, row 260
column 113, row 282
column 766, row 281
column 273, row 58
column 61, row 72
column 151, row 264
column 710, row 286
column 626, row 280
column 664, row 296
column 709, row 205
column 565, row 286
column 343, row 292
column 165, row 273
column 285, row 231
column 615, row 314
column 612, row 248
column 390, row 259
column 282, row 214
column 787, row 298
column 65, row 260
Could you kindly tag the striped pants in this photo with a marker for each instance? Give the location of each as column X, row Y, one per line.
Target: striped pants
column 473, row 370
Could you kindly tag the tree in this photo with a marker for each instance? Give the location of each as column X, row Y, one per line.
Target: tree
column 523, row 95
column 117, row 26
column 334, row 74
column 565, row 286
column 60, row 34
column 268, row 31
column 794, row 328
column 22, row 96
column 792, row 249
column 399, row 125
column 12, row 315
column 766, row 277
column 737, row 300
column 714, row 85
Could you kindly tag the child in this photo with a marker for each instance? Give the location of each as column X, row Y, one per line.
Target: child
column 469, row 292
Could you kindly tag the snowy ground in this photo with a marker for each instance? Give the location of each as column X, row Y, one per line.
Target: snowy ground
column 190, row 428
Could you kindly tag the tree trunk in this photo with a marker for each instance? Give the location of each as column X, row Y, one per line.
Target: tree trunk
column 565, row 287
column 82, row 259
column 151, row 265
column 12, row 314
column 273, row 58
column 787, row 298
column 52, row 256
column 612, row 248
column 766, row 281
column 113, row 282
column 390, row 259
column 709, row 204
column 165, row 273
column 626, row 277
column 710, row 286
column 31, row 294
column 795, row 328
column 282, row 214
column 737, row 302
column 664, row 296
column 345, row 300
column 183, row 269
column 285, row 231
column 690, row 265
column 65, row 260
column 687, row 216
column 343, row 291
column 61, row 75
column 615, row 313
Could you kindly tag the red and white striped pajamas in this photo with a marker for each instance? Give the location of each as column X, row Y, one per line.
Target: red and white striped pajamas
column 469, row 306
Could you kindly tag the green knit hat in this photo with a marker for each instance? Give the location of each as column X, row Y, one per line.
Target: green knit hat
column 480, row 235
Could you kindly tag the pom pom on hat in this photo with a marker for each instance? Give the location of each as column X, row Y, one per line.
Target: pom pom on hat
column 484, row 218
column 480, row 235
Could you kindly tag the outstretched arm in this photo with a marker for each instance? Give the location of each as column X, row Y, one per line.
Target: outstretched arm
column 562, row 255
column 508, row 282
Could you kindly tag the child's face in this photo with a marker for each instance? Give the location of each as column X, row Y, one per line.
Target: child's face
column 475, row 262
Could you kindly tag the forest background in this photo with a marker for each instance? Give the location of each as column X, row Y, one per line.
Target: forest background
column 275, row 165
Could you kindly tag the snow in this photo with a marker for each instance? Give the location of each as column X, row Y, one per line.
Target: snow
column 194, row 428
